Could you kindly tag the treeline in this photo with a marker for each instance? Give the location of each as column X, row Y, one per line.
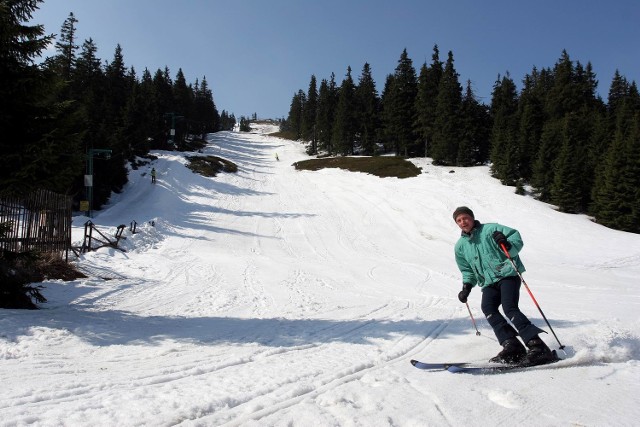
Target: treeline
column 54, row 113
column 556, row 137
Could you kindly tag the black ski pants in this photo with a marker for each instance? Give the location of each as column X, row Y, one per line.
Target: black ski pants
column 506, row 292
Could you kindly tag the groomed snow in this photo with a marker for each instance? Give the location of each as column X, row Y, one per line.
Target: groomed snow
column 276, row 297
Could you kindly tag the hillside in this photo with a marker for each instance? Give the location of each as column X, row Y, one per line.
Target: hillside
column 272, row 296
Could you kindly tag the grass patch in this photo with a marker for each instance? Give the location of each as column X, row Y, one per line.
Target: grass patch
column 285, row 135
column 379, row 166
column 210, row 165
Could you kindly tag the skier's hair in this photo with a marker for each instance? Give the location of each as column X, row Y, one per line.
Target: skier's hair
column 463, row 210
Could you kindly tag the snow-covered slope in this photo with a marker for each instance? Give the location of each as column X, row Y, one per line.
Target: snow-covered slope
column 282, row 297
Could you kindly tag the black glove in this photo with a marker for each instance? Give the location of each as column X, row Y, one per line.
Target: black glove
column 464, row 293
column 501, row 239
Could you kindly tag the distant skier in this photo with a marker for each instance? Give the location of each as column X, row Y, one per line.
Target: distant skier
column 483, row 263
column 277, row 158
column 153, row 175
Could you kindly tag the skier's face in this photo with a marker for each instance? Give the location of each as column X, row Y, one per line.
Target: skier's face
column 465, row 222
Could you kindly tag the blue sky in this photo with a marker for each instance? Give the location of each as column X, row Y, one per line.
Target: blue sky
column 256, row 54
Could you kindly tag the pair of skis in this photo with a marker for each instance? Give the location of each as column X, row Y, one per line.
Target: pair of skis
column 476, row 368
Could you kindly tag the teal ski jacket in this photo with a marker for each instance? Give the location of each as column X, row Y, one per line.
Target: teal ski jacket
column 481, row 261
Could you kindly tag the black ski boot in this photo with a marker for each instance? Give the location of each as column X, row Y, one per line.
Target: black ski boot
column 512, row 352
column 538, row 354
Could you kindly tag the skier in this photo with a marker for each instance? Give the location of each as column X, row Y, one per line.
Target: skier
column 482, row 262
column 153, row 175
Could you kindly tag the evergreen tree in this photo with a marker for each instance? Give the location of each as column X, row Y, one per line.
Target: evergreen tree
column 603, row 135
column 558, row 101
column 617, row 92
column 322, row 117
column 66, row 47
column 543, row 167
column 205, row 110
column 141, row 118
column 616, row 197
column 40, row 144
column 183, row 96
column 474, row 135
column 388, row 131
column 566, row 179
column 588, row 132
column 368, row 109
column 296, row 111
column 530, row 122
column 245, row 124
column 163, row 89
column 227, row 121
column 183, row 106
column 466, row 142
column 344, row 129
column 563, row 96
column 632, row 175
column 551, row 139
column 110, row 175
column 309, row 115
column 147, row 117
column 88, row 80
column 596, row 154
column 118, row 84
column 572, row 109
column 504, row 151
column 88, row 89
column 327, row 102
column 426, row 101
column 448, row 122
column 588, row 86
column 400, row 106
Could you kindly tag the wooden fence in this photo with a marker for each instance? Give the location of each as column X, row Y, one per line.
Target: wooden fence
column 39, row 221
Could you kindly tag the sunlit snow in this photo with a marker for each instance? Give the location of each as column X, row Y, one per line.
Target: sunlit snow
column 276, row 297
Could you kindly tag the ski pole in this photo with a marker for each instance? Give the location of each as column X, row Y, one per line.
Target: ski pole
column 472, row 319
column 504, row 249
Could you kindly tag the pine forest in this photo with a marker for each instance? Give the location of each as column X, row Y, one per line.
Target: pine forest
column 556, row 138
column 56, row 113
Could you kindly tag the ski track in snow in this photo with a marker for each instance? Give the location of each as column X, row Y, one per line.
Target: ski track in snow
column 282, row 297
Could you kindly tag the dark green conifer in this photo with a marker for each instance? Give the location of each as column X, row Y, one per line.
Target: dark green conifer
column 206, row 111
column 530, row 122
column 426, row 101
column 504, row 152
column 344, row 126
column 40, row 144
column 616, row 196
column 388, row 130
column 551, row 140
column 400, row 106
column 296, row 111
column 448, row 120
column 473, row 148
column 565, row 190
column 367, row 112
column 309, row 115
column 327, row 100
column 66, row 47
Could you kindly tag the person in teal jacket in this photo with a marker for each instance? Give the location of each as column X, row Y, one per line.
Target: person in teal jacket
column 483, row 264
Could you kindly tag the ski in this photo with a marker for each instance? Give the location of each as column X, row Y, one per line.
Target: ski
column 477, row 368
column 456, row 367
column 439, row 366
